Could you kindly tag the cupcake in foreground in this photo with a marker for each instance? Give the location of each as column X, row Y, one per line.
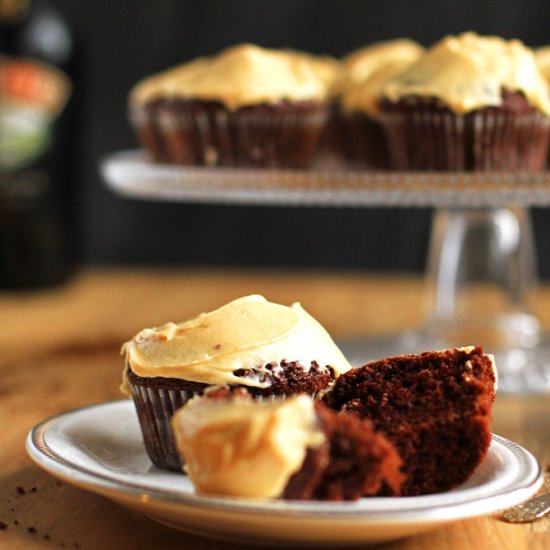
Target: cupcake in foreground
column 293, row 449
column 268, row 349
column 471, row 103
column 246, row 106
column 435, row 407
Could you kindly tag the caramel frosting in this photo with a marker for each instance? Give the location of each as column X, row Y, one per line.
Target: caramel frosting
column 245, row 448
column 327, row 68
column 241, row 75
column 360, row 64
column 365, row 97
column 469, row 72
column 247, row 333
column 542, row 56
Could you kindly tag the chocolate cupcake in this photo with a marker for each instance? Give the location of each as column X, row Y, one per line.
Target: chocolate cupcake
column 267, row 349
column 246, row 107
column 470, row 103
column 435, row 407
column 356, row 132
column 292, row 449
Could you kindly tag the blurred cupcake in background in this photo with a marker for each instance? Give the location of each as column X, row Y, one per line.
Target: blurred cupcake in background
column 470, row 103
column 247, row 106
column 356, row 132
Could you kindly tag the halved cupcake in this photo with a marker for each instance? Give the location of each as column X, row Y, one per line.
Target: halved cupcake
column 293, row 449
column 435, row 407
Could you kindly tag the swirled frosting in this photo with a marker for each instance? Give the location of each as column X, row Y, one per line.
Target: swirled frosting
column 247, row 333
column 244, row 74
column 245, row 448
column 469, row 72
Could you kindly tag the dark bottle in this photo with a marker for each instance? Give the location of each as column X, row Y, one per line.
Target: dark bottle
column 37, row 140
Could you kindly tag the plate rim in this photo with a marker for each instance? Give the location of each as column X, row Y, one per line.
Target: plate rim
column 55, row 464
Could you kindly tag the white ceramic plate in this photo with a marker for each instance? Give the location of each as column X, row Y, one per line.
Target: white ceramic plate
column 99, row 448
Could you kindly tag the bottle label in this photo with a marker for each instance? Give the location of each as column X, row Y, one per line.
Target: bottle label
column 32, row 95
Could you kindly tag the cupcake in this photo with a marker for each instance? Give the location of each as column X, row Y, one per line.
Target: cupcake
column 357, row 133
column 435, row 407
column 292, row 449
column 247, row 106
column 470, row 103
column 265, row 348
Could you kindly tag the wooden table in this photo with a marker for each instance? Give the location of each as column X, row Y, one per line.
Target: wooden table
column 60, row 350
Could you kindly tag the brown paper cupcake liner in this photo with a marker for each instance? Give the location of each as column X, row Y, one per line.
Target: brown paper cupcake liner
column 361, row 141
column 206, row 133
column 155, row 407
column 149, row 133
column 157, row 399
column 492, row 139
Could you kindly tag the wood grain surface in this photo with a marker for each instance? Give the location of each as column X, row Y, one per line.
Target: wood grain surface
column 60, row 349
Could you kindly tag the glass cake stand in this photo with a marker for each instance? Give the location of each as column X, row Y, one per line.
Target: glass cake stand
column 481, row 271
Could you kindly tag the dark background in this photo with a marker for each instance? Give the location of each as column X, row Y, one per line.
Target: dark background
column 122, row 41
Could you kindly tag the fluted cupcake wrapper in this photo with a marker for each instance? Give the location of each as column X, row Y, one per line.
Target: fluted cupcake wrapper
column 207, row 134
column 155, row 407
column 360, row 139
column 144, row 119
column 485, row 140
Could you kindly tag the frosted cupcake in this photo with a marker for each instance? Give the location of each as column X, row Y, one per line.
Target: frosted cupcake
column 470, row 103
column 268, row 349
column 246, row 106
column 357, row 132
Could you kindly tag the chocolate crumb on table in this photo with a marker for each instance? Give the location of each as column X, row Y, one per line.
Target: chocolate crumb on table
column 31, row 530
column 3, row 525
column 19, row 490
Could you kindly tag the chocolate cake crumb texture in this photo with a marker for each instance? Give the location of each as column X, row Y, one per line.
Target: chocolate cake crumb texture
column 435, row 407
column 354, row 462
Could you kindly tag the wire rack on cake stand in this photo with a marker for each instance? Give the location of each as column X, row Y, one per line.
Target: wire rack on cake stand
column 481, row 270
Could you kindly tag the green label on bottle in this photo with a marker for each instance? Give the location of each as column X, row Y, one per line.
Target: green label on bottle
column 32, row 95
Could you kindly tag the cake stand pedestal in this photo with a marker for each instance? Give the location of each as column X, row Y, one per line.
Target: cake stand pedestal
column 481, row 273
